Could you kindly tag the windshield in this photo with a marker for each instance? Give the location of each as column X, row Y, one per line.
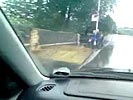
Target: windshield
column 81, row 35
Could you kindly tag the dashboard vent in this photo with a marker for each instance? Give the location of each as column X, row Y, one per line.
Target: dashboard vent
column 48, row 87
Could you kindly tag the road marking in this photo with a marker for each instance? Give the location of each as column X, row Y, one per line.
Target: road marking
column 92, row 56
column 53, row 44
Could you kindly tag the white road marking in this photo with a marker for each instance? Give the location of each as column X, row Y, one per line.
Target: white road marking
column 92, row 56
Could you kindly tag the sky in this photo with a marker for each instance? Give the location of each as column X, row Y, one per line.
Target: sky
column 123, row 13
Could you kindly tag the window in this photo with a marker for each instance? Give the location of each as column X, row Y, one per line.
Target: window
column 81, row 35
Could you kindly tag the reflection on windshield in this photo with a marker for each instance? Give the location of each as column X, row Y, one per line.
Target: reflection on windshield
column 77, row 34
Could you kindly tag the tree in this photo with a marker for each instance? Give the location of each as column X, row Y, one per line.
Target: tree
column 66, row 15
column 107, row 25
column 19, row 12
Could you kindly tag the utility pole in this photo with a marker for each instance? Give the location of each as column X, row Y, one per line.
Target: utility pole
column 99, row 3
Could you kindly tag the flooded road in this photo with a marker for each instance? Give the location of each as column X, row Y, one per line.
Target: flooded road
column 118, row 54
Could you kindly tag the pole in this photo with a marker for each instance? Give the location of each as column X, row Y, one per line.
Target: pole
column 99, row 3
column 78, row 39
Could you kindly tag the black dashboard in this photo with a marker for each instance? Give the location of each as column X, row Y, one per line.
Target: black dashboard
column 79, row 89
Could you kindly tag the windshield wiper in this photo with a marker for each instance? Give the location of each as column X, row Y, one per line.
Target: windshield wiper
column 104, row 74
column 61, row 72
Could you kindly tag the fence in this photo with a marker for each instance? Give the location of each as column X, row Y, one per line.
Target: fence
column 48, row 37
column 52, row 37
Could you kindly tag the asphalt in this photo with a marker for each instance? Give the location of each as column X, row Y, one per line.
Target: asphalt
column 70, row 56
column 118, row 54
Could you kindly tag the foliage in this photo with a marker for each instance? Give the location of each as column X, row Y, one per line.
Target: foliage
column 107, row 25
column 65, row 15
column 125, row 31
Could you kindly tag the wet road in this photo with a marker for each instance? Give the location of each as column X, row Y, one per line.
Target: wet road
column 118, row 54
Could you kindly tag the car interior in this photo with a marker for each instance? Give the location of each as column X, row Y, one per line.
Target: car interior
column 20, row 79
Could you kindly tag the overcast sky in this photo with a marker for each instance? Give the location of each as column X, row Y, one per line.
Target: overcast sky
column 123, row 13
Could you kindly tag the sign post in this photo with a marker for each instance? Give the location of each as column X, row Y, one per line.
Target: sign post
column 99, row 3
column 95, row 16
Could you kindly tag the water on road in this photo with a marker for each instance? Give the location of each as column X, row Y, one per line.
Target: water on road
column 117, row 55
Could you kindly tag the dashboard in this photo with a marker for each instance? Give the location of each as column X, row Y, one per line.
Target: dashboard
column 79, row 89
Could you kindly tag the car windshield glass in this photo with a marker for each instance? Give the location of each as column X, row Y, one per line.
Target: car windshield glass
column 75, row 35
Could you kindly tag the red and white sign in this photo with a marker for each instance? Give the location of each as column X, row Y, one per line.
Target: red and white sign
column 94, row 17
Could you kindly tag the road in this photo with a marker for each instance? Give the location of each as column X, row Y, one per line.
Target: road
column 71, row 56
column 118, row 54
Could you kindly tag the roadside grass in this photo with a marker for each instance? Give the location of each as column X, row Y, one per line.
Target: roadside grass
column 66, row 53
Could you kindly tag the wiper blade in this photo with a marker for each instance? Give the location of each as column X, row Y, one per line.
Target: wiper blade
column 105, row 75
